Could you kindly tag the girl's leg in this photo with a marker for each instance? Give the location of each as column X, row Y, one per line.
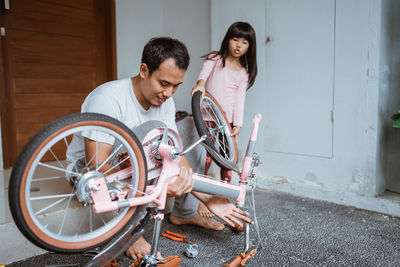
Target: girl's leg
column 226, row 175
column 208, row 164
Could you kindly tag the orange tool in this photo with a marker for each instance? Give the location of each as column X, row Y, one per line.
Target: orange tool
column 241, row 259
column 171, row 261
column 114, row 263
column 177, row 237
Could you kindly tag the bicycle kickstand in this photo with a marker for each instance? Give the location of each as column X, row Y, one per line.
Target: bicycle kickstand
column 243, row 257
column 151, row 260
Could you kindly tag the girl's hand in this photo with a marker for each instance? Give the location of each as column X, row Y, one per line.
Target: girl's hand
column 200, row 86
column 235, row 132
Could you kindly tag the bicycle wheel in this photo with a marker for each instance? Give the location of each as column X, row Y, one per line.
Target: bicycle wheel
column 210, row 119
column 50, row 200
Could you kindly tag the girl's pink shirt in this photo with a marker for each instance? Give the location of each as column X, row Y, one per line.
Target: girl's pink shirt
column 227, row 86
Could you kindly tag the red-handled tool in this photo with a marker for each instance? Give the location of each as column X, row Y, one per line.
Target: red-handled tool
column 241, row 259
column 177, row 237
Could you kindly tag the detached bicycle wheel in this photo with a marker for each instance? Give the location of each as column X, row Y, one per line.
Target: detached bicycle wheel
column 50, row 197
column 210, row 120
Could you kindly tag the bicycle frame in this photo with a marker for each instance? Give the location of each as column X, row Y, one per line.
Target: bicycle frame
column 170, row 170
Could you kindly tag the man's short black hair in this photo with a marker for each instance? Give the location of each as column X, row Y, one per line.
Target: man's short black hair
column 161, row 48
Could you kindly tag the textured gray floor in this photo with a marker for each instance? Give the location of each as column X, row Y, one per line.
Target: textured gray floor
column 296, row 231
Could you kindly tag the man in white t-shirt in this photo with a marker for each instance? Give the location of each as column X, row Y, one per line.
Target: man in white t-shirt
column 147, row 96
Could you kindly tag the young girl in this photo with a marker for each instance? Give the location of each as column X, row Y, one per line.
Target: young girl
column 227, row 74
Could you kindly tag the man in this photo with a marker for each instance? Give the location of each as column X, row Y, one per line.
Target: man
column 147, row 96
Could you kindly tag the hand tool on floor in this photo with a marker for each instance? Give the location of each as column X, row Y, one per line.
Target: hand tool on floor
column 241, row 259
column 177, row 237
column 171, row 261
column 191, row 251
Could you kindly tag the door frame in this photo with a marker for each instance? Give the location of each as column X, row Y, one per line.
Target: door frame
column 8, row 136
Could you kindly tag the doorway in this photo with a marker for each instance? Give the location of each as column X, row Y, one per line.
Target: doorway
column 52, row 54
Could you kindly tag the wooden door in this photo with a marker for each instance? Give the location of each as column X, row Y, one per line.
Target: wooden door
column 54, row 52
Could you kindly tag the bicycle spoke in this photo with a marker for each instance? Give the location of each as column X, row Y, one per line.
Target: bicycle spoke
column 65, row 213
column 101, row 218
column 223, row 147
column 50, row 206
column 58, row 169
column 90, row 218
column 97, row 152
column 213, row 108
column 209, row 114
column 217, row 128
column 113, row 167
column 66, row 142
column 56, row 158
column 47, row 178
column 109, row 157
column 52, row 196
column 83, row 219
column 90, row 161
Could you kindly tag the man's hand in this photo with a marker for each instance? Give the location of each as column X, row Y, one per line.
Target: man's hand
column 227, row 211
column 183, row 183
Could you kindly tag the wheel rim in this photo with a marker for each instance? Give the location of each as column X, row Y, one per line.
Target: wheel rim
column 49, row 200
column 217, row 128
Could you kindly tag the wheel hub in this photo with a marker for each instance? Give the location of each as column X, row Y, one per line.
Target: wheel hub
column 86, row 184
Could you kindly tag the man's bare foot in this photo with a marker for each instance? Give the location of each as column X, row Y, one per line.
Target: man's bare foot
column 139, row 249
column 204, row 211
column 199, row 221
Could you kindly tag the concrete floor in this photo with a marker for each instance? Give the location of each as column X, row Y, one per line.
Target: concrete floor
column 296, row 231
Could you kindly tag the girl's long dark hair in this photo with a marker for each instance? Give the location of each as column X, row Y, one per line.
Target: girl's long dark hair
column 248, row 60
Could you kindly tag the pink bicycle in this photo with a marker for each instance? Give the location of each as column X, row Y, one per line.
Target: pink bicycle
column 74, row 209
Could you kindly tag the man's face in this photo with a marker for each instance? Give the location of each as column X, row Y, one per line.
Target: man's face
column 161, row 84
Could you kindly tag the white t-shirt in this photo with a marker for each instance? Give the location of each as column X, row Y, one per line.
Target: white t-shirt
column 117, row 99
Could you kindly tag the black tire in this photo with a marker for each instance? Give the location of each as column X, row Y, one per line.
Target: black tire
column 219, row 118
column 61, row 228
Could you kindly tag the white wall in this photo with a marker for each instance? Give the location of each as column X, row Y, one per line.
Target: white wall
column 353, row 174
column 185, row 20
